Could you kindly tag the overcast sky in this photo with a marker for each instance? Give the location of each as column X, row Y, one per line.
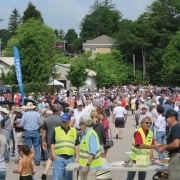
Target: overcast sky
column 66, row 14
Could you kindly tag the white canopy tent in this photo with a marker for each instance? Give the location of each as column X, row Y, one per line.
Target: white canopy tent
column 54, row 82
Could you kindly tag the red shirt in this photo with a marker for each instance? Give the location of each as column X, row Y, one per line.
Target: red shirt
column 105, row 124
column 138, row 139
column 123, row 103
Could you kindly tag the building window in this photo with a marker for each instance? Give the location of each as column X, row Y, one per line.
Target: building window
column 93, row 49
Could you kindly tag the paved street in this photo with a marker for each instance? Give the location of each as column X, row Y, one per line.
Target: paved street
column 117, row 153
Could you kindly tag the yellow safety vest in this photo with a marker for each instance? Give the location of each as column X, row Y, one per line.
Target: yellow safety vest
column 146, row 140
column 84, row 151
column 65, row 143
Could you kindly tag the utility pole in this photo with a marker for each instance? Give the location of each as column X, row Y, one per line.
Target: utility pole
column 134, row 65
column 144, row 63
column 1, row 41
column 0, row 48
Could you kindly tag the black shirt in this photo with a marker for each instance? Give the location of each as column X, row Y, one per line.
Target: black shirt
column 174, row 133
column 17, row 122
column 101, row 133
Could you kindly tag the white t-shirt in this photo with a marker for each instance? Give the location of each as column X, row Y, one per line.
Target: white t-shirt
column 160, row 123
column 77, row 116
column 119, row 112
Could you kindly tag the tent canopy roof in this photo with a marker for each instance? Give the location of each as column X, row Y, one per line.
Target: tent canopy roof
column 55, row 82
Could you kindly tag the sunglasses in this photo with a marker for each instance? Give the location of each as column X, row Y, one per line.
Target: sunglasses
column 148, row 123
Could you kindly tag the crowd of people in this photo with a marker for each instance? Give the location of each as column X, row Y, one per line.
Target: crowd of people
column 67, row 127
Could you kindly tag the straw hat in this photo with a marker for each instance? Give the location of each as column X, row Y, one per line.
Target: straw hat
column 30, row 105
column 18, row 109
column 4, row 110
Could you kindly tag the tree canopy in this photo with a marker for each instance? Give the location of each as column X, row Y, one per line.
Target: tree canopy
column 35, row 42
column 77, row 75
column 152, row 39
column 151, row 32
column 104, row 19
column 32, row 12
column 14, row 22
column 171, row 66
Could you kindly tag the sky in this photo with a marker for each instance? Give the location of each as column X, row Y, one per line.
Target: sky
column 68, row 14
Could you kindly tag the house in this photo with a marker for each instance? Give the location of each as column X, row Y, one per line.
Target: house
column 5, row 64
column 101, row 44
column 61, row 70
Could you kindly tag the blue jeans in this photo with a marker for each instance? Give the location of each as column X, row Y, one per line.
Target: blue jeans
column 59, row 165
column 32, row 139
column 7, row 154
column 131, row 175
column 160, row 138
column 2, row 175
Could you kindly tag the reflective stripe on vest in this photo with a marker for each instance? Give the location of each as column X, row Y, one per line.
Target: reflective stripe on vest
column 146, row 140
column 84, row 151
column 65, row 143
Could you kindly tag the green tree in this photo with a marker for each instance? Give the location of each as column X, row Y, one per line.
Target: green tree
column 96, row 5
column 163, row 21
column 103, row 20
column 60, row 33
column 9, row 78
column 73, row 41
column 4, row 36
column 35, row 42
column 71, row 36
column 119, row 72
column 171, row 65
column 152, row 31
column 14, row 22
column 108, row 4
column 32, row 12
column 77, row 75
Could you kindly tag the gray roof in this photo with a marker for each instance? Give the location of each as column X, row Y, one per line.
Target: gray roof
column 101, row 41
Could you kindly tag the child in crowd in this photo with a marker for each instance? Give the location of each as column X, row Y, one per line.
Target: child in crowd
column 26, row 166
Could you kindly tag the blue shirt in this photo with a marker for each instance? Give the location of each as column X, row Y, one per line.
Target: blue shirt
column 92, row 142
column 93, row 146
column 31, row 120
column 166, row 108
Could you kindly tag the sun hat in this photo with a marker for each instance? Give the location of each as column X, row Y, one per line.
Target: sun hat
column 4, row 110
column 30, row 105
column 18, row 109
column 65, row 117
column 79, row 103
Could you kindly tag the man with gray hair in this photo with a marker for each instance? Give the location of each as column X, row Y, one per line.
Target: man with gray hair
column 90, row 155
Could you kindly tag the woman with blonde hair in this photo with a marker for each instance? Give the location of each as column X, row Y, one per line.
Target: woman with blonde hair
column 98, row 127
column 105, row 123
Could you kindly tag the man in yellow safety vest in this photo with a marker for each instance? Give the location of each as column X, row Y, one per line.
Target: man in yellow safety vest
column 64, row 148
column 90, row 154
